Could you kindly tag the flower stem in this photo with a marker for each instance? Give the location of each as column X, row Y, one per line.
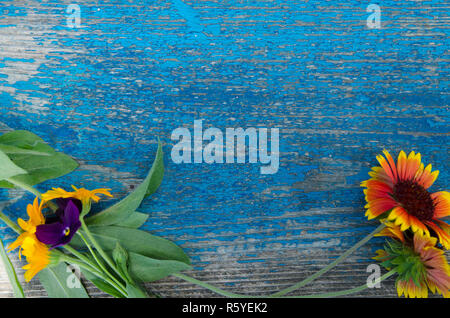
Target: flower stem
column 79, row 255
column 24, row 186
column 105, row 256
column 10, row 271
column 99, row 248
column 293, row 287
column 208, row 286
column 12, row 225
column 31, row 190
column 92, row 268
column 330, row 266
column 345, row 292
column 99, row 262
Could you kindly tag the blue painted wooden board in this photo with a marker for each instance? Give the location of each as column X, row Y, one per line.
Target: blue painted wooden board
column 338, row 91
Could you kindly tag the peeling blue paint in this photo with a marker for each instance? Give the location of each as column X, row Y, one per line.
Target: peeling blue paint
column 339, row 92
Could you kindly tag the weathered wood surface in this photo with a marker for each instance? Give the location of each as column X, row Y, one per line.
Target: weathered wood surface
column 136, row 70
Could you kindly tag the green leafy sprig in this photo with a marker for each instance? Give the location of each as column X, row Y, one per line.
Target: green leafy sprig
column 113, row 253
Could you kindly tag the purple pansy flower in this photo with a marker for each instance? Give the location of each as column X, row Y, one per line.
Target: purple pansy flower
column 59, row 230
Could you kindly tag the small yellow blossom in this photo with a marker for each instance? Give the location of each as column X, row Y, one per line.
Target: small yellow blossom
column 37, row 254
column 81, row 194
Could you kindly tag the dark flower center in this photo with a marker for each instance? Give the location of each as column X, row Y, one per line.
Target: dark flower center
column 415, row 199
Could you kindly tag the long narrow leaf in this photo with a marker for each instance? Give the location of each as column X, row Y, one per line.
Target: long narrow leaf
column 13, row 150
column 124, row 208
column 17, row 288
column 101, row 284
column 146, row 269
column 135, row 220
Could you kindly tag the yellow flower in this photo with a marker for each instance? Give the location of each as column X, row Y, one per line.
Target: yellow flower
column 36, row 218
column 37, row 254
column 81, row 194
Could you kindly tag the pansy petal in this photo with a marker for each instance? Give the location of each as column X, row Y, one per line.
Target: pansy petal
column 71, row 221
column 71, row 214
column 50, row 234
column 62, row 204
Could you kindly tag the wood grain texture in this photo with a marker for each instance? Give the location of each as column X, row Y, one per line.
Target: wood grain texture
column 136, row 70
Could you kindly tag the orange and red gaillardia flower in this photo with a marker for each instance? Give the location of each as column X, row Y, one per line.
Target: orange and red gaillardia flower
column 398, row 192
column 420, row 265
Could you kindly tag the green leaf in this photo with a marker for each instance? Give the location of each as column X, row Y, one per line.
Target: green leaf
column 55, row 281
column 17, row 288
column 135, row 292
column 135, row 220
column 157, row 172
column 136, row 241
column 13, row 150
column 146, row 269
column 124, row 208
column 8, row 168
column 30, row 153
column 101, row 284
